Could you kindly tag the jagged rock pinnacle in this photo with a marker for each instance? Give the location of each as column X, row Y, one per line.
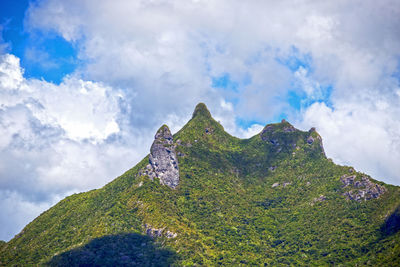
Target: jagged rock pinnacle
column 163, row 160
column 201, row 110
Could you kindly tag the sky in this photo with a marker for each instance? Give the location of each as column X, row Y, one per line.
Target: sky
column 85, row 84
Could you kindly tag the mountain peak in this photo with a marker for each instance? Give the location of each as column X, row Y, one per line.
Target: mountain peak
column 201, row 110
column 163, row 133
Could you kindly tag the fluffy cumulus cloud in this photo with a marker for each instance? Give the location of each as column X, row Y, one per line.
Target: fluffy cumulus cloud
column 329, row 64
column 163, row 50
column 364, row 133
column 56, row 139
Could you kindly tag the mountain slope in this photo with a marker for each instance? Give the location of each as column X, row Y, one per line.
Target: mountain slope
column 208, row 198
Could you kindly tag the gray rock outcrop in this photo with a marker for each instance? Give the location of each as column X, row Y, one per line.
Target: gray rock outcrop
column 310, row 140
column 158, row 232
column 289, row 129
column 363, row 189
column 163, row 161
column 275, row 185
column 284, row 184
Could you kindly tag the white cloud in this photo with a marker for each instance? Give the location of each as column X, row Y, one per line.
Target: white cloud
column 226, row 116
column 82, row 109
column 310, row 87
column 58, row 139
column 163, row 50
column 10, row 73
column 40, row 57
column 16, row 212
column 317, row 29
column 249, row 132
column 364, row 134
column 226, row 105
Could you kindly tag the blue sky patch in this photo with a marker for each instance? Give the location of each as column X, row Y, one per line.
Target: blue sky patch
column 296, row 59
column 43, row 55
column 224, row 82
column 245, row 123
column 48, row 56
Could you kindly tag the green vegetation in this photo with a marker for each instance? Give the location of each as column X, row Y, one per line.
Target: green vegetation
column 255, row 202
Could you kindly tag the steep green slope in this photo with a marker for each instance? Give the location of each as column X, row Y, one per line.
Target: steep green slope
column 273, row 199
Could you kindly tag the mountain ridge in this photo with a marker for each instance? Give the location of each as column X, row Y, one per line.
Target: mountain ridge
column 262, row 200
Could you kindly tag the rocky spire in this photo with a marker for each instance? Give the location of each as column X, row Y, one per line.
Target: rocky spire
column 163, row 159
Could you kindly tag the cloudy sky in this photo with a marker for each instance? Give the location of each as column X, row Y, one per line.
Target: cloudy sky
column 84, row 84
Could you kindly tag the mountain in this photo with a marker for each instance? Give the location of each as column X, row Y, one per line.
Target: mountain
column 204, row 197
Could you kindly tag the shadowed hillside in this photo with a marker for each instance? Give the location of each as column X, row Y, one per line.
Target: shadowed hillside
column 116, row 250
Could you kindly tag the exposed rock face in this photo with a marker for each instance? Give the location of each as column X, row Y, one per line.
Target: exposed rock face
column 289, row 129
column 363, row 189
column 149, row 171
column 158, row 232
column 209, row 130
column 310, row 140
column 347, row 180
column 283, row 184
column 163, row 162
